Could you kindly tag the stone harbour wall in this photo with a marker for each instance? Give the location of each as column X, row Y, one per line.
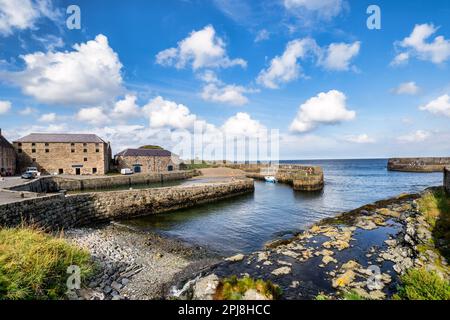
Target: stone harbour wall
column 418, row 164
column 56, row 212
column 301, row 177
column 447, row 179
column 56, row 183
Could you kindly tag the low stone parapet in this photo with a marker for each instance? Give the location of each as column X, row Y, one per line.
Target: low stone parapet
column 56, row 183
column 55, row 212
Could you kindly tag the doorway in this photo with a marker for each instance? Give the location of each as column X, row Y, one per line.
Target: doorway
column 77, row 171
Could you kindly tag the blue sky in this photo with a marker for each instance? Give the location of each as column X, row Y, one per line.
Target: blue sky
column 138, row 71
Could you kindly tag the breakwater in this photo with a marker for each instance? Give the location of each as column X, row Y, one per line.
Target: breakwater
column 418, row 164
column 56, row 183
column 59, row 211
column 300, row 177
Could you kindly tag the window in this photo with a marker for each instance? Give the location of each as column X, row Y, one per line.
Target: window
column 46, row 144
column 85, row 150
column 85, row 159
column 94, row 170
column 47, row 150
column 19, row 144
column 33, row 144
column 97, row 150
column 19, row 151
column 72, row 144
column 61, row 171
column 33, row 150
column 73, row 150
column 34, row 159
column 84, row 144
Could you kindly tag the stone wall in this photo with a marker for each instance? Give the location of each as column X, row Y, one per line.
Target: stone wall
column 57, row 212
column 301, row 177
column 418, row 164
column 64, row 158
column 447, row 179
column 7, row 157
column 56, row 183
column 147, row 164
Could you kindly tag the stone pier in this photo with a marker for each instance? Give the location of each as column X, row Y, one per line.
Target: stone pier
column 447, row 179
column 418, row 164
column 59, row 211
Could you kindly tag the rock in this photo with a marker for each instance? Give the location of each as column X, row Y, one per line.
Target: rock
column 107, row 289
column 324, row 253
column 350, row 265
column 344, row 280
column 327, row 259
column 205, row 288
column 252, row 294
column 281, row 271
column 365, row 223
column 236, row 258
column 295, row 284
column 267, row 263
column 125, row 281
column 117, row 286
column 262, row 256
column 284, row 263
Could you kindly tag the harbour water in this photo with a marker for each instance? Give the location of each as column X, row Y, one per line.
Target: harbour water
column 245, row 223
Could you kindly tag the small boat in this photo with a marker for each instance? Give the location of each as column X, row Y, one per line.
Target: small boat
column 270, row 179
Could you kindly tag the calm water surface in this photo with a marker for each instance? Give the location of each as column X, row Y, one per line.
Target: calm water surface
column 245, row 223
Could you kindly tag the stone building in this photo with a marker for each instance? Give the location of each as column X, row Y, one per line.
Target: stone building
column 147, row 160
column 7, row 157
column 75, row 154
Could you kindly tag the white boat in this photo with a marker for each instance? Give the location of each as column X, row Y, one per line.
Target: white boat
column 270, row 179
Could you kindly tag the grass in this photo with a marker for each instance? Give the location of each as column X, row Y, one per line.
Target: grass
column 33, row 264
column 351, row 295
column 194, row 166
column 435, row 207
column 233, row 288
column 151, row 147
column 419, row 284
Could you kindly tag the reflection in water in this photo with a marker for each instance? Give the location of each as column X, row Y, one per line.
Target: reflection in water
column 245, row 223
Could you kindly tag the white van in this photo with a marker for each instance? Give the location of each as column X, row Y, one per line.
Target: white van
column 126, row 171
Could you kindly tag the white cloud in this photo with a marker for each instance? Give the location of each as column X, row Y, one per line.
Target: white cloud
column 126, row 108
column 215, row 90
column 338, row 56
column 93, row 116
column 439, row 106
column 88, row 75
column 323, row 8
column 48, row 117
column 417, row 44
column 23, row 14
column 229, row 94
column 285, row 68
column 325, row 108
column 418, row 136
column 262, row 35
column 400, row 59
column 168, row 114
column 409, row 88
column 5, row 106
column 27, row 111
column 361, row 139
column 201, row 49
column 242, row 124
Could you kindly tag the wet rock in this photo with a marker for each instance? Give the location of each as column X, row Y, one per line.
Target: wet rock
column 281, row 271
column 205, row 288
column 236, row 258
column 328, row 259
column 344, row 280
column 252, row 294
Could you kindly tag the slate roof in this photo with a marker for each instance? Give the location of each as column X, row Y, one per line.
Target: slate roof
column 5, row 143
column 144, row 153
column 61, row 138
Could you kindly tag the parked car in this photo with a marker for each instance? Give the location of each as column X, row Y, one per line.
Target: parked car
column 34, row 171
column 126, row 171
column 28, row 175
